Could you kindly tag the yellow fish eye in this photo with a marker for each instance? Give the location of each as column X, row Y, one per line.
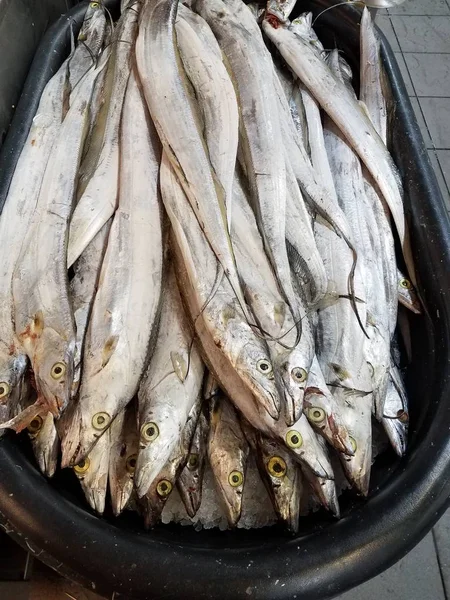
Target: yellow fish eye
column 4, row 389
column 164, row 488
column 94, row 5
column 235, row 478
column 264, row 366
column 294, row 439
column 405, row 284
column 277, row 467
column 299, row 374
column 192, row 462
column 131, row 463
column 100, row 421
column 35, row 426
column 353, row 443
column 58, row 370
column 82, row 466
column 149, row 432
column 316, row 414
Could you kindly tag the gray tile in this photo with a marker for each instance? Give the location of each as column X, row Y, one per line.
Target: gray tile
column 430, row 73
column 442, row 528
column 384, row 23
column 415, row 577
column 444, row 162
column 443, row 185
column 421, row 122
column 405, row 74
column 437, row 117
column 421, row 7
column 422, row 34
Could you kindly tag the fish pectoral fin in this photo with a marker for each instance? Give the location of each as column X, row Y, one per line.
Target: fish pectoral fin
column 108, row 349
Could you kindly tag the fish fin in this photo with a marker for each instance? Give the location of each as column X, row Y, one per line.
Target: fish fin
column 108, row 349
column 180, row 366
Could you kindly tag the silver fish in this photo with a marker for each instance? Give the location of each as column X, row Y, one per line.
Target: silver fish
column 190, row 482
column 349, row 116
column 43, row 314
column 228, row 452
column 407, row 294
column 124, row 443
column 324, row 490
column 179, row 129
column 92, row 473
column 44, row 441
column 395, row 415
column 127, row 301
column 153, row 502
column 168, row 390
column 251, row 67
column 100, row 189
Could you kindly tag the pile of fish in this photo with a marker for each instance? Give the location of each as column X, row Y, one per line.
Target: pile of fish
column 198, row 266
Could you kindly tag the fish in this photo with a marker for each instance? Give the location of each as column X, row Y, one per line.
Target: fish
column 215, row 300
column 90, row 43
column 16, row 216
column 291, row 359
column 169, row 389
column 345, row 111
column 202, row 61
column 127, row 303
column 250, row 64
column 228, row 451
column 98, row 197
column 83, row 286
column 156, row 497
column 44, row 440
column 124, row 443
column 92, row 473
column 190, row 481
column 323, row 412
column 179, row 128
column 281, row 475
column 323, row 490
column 395, row 414
column 43, row 316
column 407, row 294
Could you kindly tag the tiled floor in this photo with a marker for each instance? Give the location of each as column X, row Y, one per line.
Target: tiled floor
column 419, row 33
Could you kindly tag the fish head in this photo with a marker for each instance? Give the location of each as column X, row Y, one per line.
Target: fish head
column 291, row 374
column 255, row 367
column 280, row 9
column 92, row 473
column 231, row 479
column 121, row 478
column 155, row 499
column 94, row 14
column 407, row 294
column 53, row 369
column 302, row 26
column 13, row 366
column 45, row 442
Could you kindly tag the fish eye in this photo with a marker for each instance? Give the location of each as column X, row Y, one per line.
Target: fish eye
column 164, row 488
column 4, row 389
column 235, row 478
column 402, row 416
column 264, row 366
column 294, row 439
column 131, row 463
column 316, row 414
column 405, row 284
column 277, row 467
column 299, row 374
column 94, row 5
column 192, row 462
column 35, row 426
column 353, row 443
column 149, row 432
column 82, row 466
column 100, row 421
column 58, row 370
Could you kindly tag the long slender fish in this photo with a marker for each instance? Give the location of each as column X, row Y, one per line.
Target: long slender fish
column 202, row 61
column 395, row 415
column 153, row 502
column 348, row 115
column 16, row 216
column 164, row 80
column 83, row 286
column 124, row 442
column 43, row 314
column 100, row 196
column 250, row 64
column 228, row 452
column 291, row 359
column 44, row 441
column 407, row 295
column 169, row 388
column 92, row 472
column 190, row 482
column 128, row 296
column 217, row 304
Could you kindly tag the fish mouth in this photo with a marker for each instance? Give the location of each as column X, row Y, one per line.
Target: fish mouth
column 120, row 499
column 96, row 498
column 340, row 437
column 357, row 470
column 145, row 474
column 397, row 433
column 191, row 500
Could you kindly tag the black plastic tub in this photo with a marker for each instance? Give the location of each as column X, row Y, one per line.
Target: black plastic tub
column 327, row 557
